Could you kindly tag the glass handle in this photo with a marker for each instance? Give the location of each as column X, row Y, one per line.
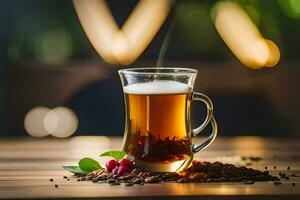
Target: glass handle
column 209, row 119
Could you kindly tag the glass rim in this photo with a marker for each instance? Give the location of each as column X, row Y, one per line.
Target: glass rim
column 158, row 71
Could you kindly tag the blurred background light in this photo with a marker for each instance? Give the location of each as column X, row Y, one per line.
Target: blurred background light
column 54, row 46
column 99, row 25
column 34, row 122
column 295, row 5
column 274, row 54
column 50, row 121
column 242, row 36
column 61, row 122
column 142, row 25
column 120, row 48
column 125, row 45
column 290, row 7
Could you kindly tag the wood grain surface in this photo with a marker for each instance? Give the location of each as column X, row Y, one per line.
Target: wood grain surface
column 27, row 164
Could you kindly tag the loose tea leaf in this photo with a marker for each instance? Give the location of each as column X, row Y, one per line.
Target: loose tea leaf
column 115, row 154
column 199, row 171
column 89, row 165
column 163, row 150
column 75, row 170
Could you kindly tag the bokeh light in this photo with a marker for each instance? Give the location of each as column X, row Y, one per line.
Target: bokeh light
column 61, row 122
column 34, row 122
column 290, row 7
column 54, row 47
column 120, row 48
column 50, row 121
column 143, row 24
column 125, row 45
column 295, row 5
column 274, row 55
column 242, row 36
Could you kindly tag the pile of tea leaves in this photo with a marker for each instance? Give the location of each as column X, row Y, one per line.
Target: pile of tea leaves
column 127, row 174
column 197, row 172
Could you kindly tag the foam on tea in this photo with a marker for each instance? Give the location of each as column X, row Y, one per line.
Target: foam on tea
column 157, row 116
column 158, row 87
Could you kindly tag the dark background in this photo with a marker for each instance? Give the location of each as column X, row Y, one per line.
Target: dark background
column 46, row 60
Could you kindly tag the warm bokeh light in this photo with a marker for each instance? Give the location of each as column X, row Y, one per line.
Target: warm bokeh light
column 61, row 122
column 50, row 121
column 242, row 36
column 125, row 45
column 142, row 25
column 58, row 122
column 274, row 56
column 120, row 48
column 99, row 25
column 34, row 122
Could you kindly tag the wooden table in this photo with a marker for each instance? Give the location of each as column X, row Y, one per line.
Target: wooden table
column 27, row 164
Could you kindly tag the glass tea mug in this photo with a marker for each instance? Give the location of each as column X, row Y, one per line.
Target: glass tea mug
column 158, row 131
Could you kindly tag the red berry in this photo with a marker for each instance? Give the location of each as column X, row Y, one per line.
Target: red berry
column 115, row 170
column 127, row 163
column 122, row 170
column 110, row 165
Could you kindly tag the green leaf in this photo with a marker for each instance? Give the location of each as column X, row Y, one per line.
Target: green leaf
column 89, row 165
column 115, row 154
column 74, row 169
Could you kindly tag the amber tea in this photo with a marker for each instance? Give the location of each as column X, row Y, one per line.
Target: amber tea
column 157, row 128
